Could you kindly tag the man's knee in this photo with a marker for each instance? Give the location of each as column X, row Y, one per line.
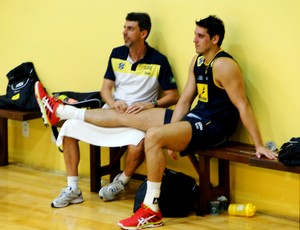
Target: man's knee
column 70, row 144
column 136, row 149
column 152, row 135
column 135, row 154
column 68, row 140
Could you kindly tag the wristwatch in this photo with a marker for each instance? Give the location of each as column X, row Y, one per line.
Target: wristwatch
column 154, row 103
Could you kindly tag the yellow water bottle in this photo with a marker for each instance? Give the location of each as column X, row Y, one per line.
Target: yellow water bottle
column 242, row 209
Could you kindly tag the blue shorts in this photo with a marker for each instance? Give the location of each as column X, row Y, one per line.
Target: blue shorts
column 168, row 116
column 206, row 134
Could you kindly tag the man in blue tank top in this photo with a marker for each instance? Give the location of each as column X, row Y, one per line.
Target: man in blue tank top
column 217, row 82
column 215, row 78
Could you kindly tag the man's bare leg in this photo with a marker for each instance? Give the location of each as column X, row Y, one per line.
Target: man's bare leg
column 53, row 111
column 110, row 118
column 174, row 136
column 72, row 193
column 135, row 157
column 71, row 155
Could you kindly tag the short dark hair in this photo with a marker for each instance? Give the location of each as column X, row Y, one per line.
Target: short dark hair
column 143, row 20
column 214, row 26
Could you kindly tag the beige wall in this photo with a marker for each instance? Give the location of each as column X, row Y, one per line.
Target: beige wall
column 69, row 42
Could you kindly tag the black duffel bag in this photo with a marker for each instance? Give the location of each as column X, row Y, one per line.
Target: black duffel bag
column 289, row 153
column 178, row 197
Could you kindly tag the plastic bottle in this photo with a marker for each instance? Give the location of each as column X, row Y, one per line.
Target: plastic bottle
column 271, row 145
column 223, row 203
column 247, row 210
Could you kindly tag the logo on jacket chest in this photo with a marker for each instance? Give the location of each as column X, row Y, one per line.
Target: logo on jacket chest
column 121, row 65
column 202, row 78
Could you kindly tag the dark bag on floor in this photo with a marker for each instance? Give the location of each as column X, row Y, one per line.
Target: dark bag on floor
column 178, row 196
column 20, row 89
column 289, row 153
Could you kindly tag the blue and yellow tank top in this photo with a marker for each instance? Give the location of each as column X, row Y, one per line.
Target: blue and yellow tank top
column 213, row 101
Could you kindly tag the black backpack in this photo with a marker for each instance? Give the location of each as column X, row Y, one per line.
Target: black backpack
column 178, row 197
column 289, row 153
column 20, row 89
column 83, row 99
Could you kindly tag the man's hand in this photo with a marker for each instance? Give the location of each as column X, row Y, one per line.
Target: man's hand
column 138, row 107
column 262, row 151
column 172, row 154
column 120, row 106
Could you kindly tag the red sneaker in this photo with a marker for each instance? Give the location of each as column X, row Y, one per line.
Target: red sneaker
column 144, row 217
column 47, row 104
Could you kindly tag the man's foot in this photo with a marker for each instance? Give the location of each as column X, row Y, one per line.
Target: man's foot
column 112, row 191
column 66, row 197
column 144, row 217
column 47, row 104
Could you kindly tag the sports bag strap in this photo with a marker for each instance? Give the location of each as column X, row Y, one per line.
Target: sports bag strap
column 55, row 134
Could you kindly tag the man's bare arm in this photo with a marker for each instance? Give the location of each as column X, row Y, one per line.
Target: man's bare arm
column 228, row 74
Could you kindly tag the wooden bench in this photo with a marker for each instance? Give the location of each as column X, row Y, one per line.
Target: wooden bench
column 13, row 115
column 201, row 160
column 232, row 151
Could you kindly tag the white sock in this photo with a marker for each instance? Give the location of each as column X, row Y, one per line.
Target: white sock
column 152, row 195
column 65, row 112
column 73, row 182
column 125, row 179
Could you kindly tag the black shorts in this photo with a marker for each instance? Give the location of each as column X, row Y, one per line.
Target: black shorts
column 206, row 134
column 168, row 116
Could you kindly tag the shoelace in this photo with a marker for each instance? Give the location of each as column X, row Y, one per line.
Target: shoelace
column 143, row 220
column 65, row 192
column 47, row 104
column 116, row 187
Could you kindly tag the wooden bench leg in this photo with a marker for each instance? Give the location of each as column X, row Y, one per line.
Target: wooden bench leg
column 206, row 191
column 224, row 179
column 97, row 170
column 204, row 186
column 95, row 164
column 3, row 142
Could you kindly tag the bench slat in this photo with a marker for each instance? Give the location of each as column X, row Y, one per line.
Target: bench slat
column 232, row 151
column 273, row 164
column 19, row 115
